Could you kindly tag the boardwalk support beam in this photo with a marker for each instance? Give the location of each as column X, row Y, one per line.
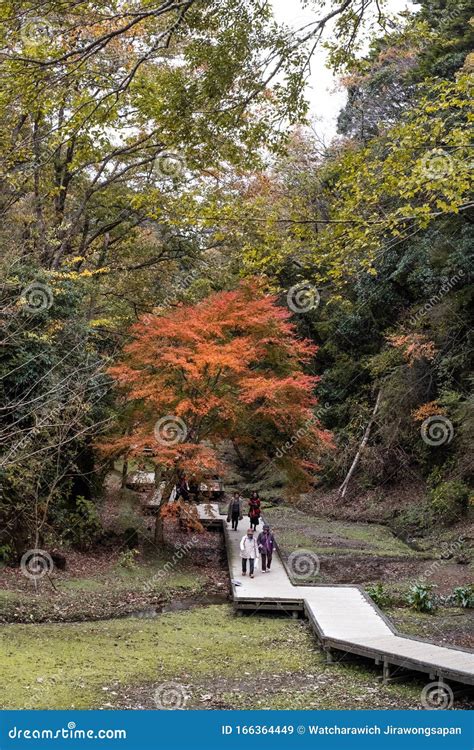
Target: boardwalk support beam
column 343, row 617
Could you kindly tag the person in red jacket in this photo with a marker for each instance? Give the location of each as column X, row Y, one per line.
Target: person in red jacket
column 254, row 510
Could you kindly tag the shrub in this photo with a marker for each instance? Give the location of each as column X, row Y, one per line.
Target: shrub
column 414, row 519
column 463, row 596
column 449, row 501
column 82, row 524
column 420, row 597
column 127, row 559
column 6, row 553
column 379, row 594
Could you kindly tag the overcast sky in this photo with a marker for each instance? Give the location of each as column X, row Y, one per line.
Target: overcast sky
column 325, row 95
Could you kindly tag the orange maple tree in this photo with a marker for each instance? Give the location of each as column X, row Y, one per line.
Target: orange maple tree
column 228, row 368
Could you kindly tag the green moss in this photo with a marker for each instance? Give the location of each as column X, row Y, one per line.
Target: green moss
column 179, row 582
column 7, row 596
column 65, row 666
column 298, row 530
column 138, row 578
column 102, row 595
column 147, row 575
column 239, row 662
column 81, row 584
column 330, row 688
column 448, row 620
column 292, row 540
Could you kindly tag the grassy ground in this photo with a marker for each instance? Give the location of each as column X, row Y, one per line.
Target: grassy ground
column 447, row 626
column 113, row 591
column 111, row 580
column 213, row 658
column 366, row 553
column 324, row 536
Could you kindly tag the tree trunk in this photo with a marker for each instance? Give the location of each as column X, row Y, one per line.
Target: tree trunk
column 124, row 473
column 239, row 453
column 159, row 537
column 345, row 484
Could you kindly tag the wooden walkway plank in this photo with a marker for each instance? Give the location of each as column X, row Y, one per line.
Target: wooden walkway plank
column 342, row 616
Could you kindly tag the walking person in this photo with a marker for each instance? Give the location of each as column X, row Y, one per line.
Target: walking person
column 248, row 551
column 266, row 545
column 254, row 510
column 194, row 488
column 182, row 488
column 234, row 511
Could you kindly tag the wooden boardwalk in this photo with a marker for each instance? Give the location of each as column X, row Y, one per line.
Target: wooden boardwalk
column 343, row 617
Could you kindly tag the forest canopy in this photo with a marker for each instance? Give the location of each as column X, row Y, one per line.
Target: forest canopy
column 157, row 162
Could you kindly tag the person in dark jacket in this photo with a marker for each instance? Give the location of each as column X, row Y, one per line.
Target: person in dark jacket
column 254, row 510
column 234, row 511
column 182, row 488
column 194, row 488
column 266, row 545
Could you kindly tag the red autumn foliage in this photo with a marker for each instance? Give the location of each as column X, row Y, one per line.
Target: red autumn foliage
column 184, row 514
column 414, row 347
column 227, row 368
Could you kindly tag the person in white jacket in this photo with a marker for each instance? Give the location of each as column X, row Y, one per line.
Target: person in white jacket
column 248, row 551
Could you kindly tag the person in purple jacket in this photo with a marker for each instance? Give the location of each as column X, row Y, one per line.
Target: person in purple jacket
column 266, row 544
